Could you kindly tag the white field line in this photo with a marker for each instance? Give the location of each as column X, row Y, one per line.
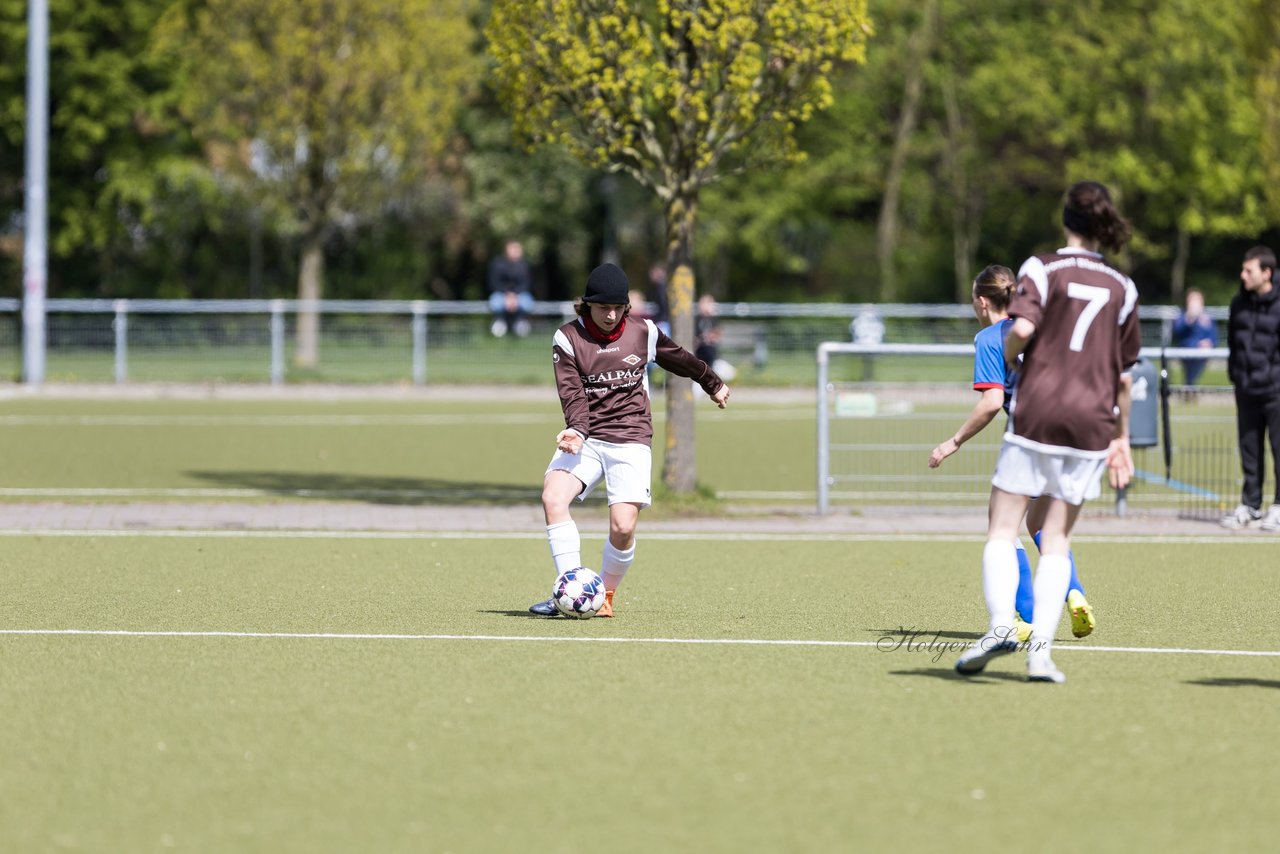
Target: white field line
column 716, row 535
column 889, row 642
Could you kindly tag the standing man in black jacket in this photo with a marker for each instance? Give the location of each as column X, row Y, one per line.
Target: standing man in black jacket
column 1253, row 338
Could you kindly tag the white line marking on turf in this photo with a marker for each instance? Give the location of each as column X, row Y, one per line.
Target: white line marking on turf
column 549, row 639
column 756, row 536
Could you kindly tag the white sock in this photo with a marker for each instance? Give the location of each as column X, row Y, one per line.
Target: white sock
column 1000, row 585
column 1053, row 576
column 615, row 564
column 566, row 545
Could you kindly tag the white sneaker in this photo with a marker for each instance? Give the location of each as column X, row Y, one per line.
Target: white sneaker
column 1242, row 517
column 1040, row 668
column 1271, row 521
column 988, row 647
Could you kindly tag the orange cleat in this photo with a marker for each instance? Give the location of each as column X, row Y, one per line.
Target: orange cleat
column 606, row 610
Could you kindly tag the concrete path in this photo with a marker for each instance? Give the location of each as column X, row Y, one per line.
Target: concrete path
column 363, row 516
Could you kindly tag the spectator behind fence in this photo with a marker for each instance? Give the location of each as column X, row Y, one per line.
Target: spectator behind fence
column 867, row 327
column 658, row 296
column 1253, row 363
column 1194, row 328
column 510, row 291
column 708, row 335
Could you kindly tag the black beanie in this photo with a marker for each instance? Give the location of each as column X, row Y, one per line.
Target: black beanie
column 607, row 284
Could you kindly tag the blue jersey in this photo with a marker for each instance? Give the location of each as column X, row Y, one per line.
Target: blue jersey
column 988, row 361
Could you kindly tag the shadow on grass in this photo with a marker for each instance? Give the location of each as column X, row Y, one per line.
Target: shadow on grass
column 407, row 491
column 923, row 635
column 1235, row 682
column 526, row 613
column 949, row 674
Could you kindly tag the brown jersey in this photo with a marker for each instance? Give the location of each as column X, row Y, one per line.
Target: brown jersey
column 604, row 387
column 1086, row 335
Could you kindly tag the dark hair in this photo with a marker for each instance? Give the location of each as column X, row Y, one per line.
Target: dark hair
column 582, row 308
column 1090, row 213
column 995, row 284
column 1266, row 258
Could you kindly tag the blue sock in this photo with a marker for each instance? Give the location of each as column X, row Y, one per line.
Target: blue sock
column 1025, row 602
column 1075, row 579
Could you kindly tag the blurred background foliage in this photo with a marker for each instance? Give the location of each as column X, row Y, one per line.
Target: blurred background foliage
column 947, row 150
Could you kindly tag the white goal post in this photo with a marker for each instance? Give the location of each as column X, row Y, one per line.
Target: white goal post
column 890, row 422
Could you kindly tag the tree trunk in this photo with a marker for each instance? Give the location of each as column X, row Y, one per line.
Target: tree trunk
column 965, row 207
column 1178, row 276
column 679, row 462
column 310, row 288
column 887, row 226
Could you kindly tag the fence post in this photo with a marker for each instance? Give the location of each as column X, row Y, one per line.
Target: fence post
column 824, row 459
column 121, row 328
column 277, row 342
column 419, row 342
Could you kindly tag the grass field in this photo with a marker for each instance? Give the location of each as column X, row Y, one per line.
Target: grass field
column 315, row 690
column 766, row 700
column 419, row 451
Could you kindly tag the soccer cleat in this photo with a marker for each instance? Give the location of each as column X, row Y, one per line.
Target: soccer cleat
column 544, row 609
column 1242, row 517
column 1271, row 521
column 1082, row 621
column 987, row 648
column 1022, row 627
column 1040, row 668
column 606, row 610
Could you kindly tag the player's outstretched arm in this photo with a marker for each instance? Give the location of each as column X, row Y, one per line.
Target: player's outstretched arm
column 991, row 402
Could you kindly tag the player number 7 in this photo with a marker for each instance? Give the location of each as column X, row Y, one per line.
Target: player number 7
column 1096, row 298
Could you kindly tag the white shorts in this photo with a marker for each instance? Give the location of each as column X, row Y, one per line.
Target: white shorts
column 1023, row 471
column 624, row 468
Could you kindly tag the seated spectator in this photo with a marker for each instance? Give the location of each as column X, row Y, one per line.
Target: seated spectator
column 510, row 291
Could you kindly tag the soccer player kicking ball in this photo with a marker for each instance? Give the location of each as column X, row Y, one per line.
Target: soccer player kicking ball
column 992, row 290
column 600, row 363
column 1076, row 324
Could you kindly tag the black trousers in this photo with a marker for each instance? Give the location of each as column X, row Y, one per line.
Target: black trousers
column 1254, row 417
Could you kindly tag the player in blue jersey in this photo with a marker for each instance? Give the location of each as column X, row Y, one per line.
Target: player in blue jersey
column 992, row 290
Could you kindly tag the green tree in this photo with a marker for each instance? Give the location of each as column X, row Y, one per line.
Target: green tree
column 330, row 110
column 105, row 154
column 1262, row 35
column 1154, row 98
column 677, row 94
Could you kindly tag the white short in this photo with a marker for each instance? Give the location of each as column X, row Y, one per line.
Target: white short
column 1023, row 471
column 625, row 469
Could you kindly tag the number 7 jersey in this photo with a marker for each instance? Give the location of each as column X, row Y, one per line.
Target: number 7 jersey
column 1087, row 334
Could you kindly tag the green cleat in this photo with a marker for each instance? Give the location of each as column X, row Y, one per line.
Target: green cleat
column 1022, row 628
column 1082, row 621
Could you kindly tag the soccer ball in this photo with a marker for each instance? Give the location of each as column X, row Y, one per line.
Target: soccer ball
column 578, row 593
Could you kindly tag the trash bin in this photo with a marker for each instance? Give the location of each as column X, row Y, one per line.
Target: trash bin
column 1144, row 413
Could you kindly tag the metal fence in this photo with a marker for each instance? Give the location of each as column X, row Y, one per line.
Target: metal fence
column 877, row 425
column 435, row 341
